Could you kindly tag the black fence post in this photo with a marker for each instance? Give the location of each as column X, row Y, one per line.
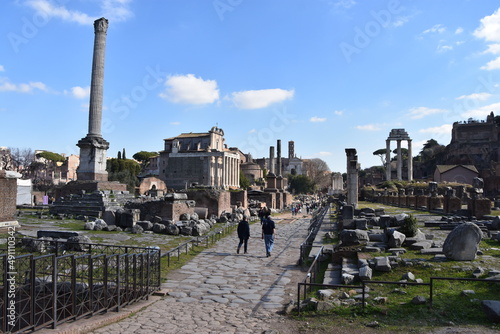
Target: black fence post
column 54, row 291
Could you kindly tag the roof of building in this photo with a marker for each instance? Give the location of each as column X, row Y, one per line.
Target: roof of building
column 190, row 135
column 445, row 168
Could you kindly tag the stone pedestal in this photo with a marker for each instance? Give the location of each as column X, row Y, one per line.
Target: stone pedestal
column 410, row 201
column 271, row 182
column 279, row 182
column 435, row 203
column 421, row 201
column 8, row 197
column 93, row 152
column 452, row 204
column 479, row 207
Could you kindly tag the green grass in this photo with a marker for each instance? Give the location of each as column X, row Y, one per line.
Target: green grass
column 399, row 315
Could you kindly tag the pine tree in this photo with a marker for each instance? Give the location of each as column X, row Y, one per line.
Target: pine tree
column 119, row 155
column 123, row 155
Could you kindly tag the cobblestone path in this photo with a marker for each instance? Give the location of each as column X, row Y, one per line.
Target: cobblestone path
column 220, row 291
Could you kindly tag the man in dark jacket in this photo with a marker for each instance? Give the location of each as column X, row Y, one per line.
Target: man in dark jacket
column 268, row 234
column 243, row 234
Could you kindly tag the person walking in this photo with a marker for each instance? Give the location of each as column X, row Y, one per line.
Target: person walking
column 268, row 234
column 243, row 234
column 261, row 215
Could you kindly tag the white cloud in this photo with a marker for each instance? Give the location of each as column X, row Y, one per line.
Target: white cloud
column 443, row 129
column 252, row 131
column 489, row 29
column 6, row 86
column 45, row 8
column 114, row 10
column 492, row 65
column 438, row 28
column 256, row 99
column 459, row 30
column 443, row 47
column 475, row 96
column 344, row 4
column 188, row 89
column 338, row 112
column 493, row 48
column 421, row 112
column 316, row 119
column 400, row 21
column 368, row 127
column 80, row 92
column 481, row 112
column 175, row 123
column 2, row 68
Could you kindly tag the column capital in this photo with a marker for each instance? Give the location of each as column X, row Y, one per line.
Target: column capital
column 101, row 25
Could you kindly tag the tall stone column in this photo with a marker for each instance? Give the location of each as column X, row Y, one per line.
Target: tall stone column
column 97, row 81
column 399, row 161
column 217, row 173
column 278, row 158
column 224, row 173
column 93, row 148
column 410, row 162
column 271, row 160
column 352, row 176
column 388, row 159
column 232, row 172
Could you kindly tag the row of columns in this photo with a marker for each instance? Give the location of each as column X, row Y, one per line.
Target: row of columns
column 231, row 172
column 399, row 160
column 224, row 171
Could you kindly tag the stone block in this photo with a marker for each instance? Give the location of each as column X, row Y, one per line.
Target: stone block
column 56, row 234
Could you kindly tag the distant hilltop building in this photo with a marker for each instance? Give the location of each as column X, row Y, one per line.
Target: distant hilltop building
column 477, row 143
column 199, row 159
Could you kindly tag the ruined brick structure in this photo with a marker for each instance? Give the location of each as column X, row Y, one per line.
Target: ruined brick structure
column 477, row 143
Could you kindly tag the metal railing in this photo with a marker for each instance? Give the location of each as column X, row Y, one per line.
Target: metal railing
column 206, row 240
column 48, row 290
column 314, row 226
column 307, row 285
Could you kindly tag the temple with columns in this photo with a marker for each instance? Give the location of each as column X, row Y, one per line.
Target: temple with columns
column 199, row 159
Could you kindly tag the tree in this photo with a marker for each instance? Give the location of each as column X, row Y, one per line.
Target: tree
column 119, row 155
column 124, row 171
column 21, row 159
column 51, row 156
column 431, row 155
column 318, row 172
column 382, row 154
column 404, row 152
column 300, row 184
column 244, row 182
column 124, row 156
column 144, row 156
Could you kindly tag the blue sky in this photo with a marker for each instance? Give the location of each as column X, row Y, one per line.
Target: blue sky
column 326, row 74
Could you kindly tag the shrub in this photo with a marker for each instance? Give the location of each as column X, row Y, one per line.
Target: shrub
column 409, row 226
